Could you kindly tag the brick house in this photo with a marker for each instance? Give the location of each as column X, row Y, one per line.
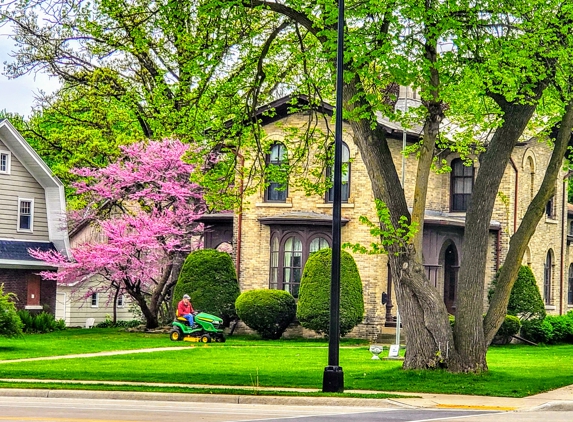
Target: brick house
column 32, row 207
column 280, row 226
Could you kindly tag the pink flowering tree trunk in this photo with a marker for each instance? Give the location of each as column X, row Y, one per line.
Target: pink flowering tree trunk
column 146, row 208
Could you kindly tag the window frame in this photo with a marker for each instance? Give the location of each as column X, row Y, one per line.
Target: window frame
column 279, row 237
column 31, row 215
column 8, row 155
column 346, row 177
column 547, row 278
column 463, row 177
column 120, row 301
column 570, row 285
column 94, row 300
column 271, row 186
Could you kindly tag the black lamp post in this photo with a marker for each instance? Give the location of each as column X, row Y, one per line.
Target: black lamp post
column 333, row 377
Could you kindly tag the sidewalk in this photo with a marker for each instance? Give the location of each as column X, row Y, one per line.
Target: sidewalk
column 556, row 400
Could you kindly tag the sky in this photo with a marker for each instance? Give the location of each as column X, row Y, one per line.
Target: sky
column 17, row 95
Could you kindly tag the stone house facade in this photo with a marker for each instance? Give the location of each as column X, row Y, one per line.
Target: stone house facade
column 279, row 225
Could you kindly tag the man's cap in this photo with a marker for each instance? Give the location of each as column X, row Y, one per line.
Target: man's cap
column 186, row 297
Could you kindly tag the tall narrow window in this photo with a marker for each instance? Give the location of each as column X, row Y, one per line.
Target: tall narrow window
column 274, row 276
column 292, row 265
column 570, row 286
column 547, row 275
column 95, row 300
column 25, row 214
column 462, row 183
column 120, row 301
column 550, row 208
column 345, row 187
column 276, row 174
column 4, row 162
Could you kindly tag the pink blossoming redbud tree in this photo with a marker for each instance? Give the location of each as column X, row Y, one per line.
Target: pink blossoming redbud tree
column 146, row 208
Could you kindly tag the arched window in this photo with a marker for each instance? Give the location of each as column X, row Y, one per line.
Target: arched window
column 290, row 250
column 345, row 187
column 570, row 286
column 461, row 186
column 547, row 275
column 277, row 174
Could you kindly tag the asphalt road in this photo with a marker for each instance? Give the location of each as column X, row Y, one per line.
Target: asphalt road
column 42, row 409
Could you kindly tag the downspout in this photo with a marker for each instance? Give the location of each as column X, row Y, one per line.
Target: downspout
column 563, row 234
column 515, row 195
column 239, row 219
column 498, row 250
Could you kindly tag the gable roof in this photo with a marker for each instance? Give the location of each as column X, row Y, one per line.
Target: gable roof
column 39, row 170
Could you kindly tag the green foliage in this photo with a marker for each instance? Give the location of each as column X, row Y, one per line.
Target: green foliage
column 385, row 231
column 108, row 323
column 510, row 327
column 268, row 312
column 525, row 300
column 314, row 296
column 40, row 323
column 209, row 278
column 537, row 330
column 10, row 323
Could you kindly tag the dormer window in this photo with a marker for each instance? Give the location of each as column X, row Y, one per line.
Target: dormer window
column 25, row 215
column 462, row 183
column 5, row 162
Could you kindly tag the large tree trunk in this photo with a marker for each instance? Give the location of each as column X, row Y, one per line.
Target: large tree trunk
column 430, row 341
column 519, row 241
column 468, row 329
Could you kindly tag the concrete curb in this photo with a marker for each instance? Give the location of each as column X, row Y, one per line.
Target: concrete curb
column 203, row 398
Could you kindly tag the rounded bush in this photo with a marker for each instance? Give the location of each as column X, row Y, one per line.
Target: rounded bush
column 209, row 278
column 537, row 331
column 510, row 327
column 314, row 296
column 268, row 312
column 525, row 300
column 562, row 326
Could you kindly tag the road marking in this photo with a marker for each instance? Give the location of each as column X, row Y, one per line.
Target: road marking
column 475, row 407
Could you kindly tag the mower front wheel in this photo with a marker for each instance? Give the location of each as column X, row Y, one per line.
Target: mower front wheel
column 175, row 335
column 205, row 338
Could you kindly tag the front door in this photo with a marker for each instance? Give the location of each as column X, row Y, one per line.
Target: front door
column 33, row 290
column 450, row 278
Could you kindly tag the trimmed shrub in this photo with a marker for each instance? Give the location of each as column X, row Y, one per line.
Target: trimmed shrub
column 510, row 327
column 209, row 278
column 537, row 331
column 562, row 327
column 268, row 312
column 525, row 300
column 10, row 323
column 313, row 310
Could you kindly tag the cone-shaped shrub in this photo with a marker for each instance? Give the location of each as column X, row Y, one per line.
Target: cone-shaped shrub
column 313, row 310
column 268, row 312
column 209, row 278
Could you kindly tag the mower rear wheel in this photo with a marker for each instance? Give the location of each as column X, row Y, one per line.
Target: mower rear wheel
column 220, row 339
column 175, row 335
column 205, row 338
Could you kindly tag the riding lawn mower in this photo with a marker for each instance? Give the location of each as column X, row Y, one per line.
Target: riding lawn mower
column 207, row 328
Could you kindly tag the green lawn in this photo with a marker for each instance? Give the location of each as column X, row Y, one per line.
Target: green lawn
column 515, row 371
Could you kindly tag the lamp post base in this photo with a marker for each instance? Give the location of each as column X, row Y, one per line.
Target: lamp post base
column 333, row 380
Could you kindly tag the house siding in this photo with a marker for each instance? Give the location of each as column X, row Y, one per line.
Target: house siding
column 19, row 183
